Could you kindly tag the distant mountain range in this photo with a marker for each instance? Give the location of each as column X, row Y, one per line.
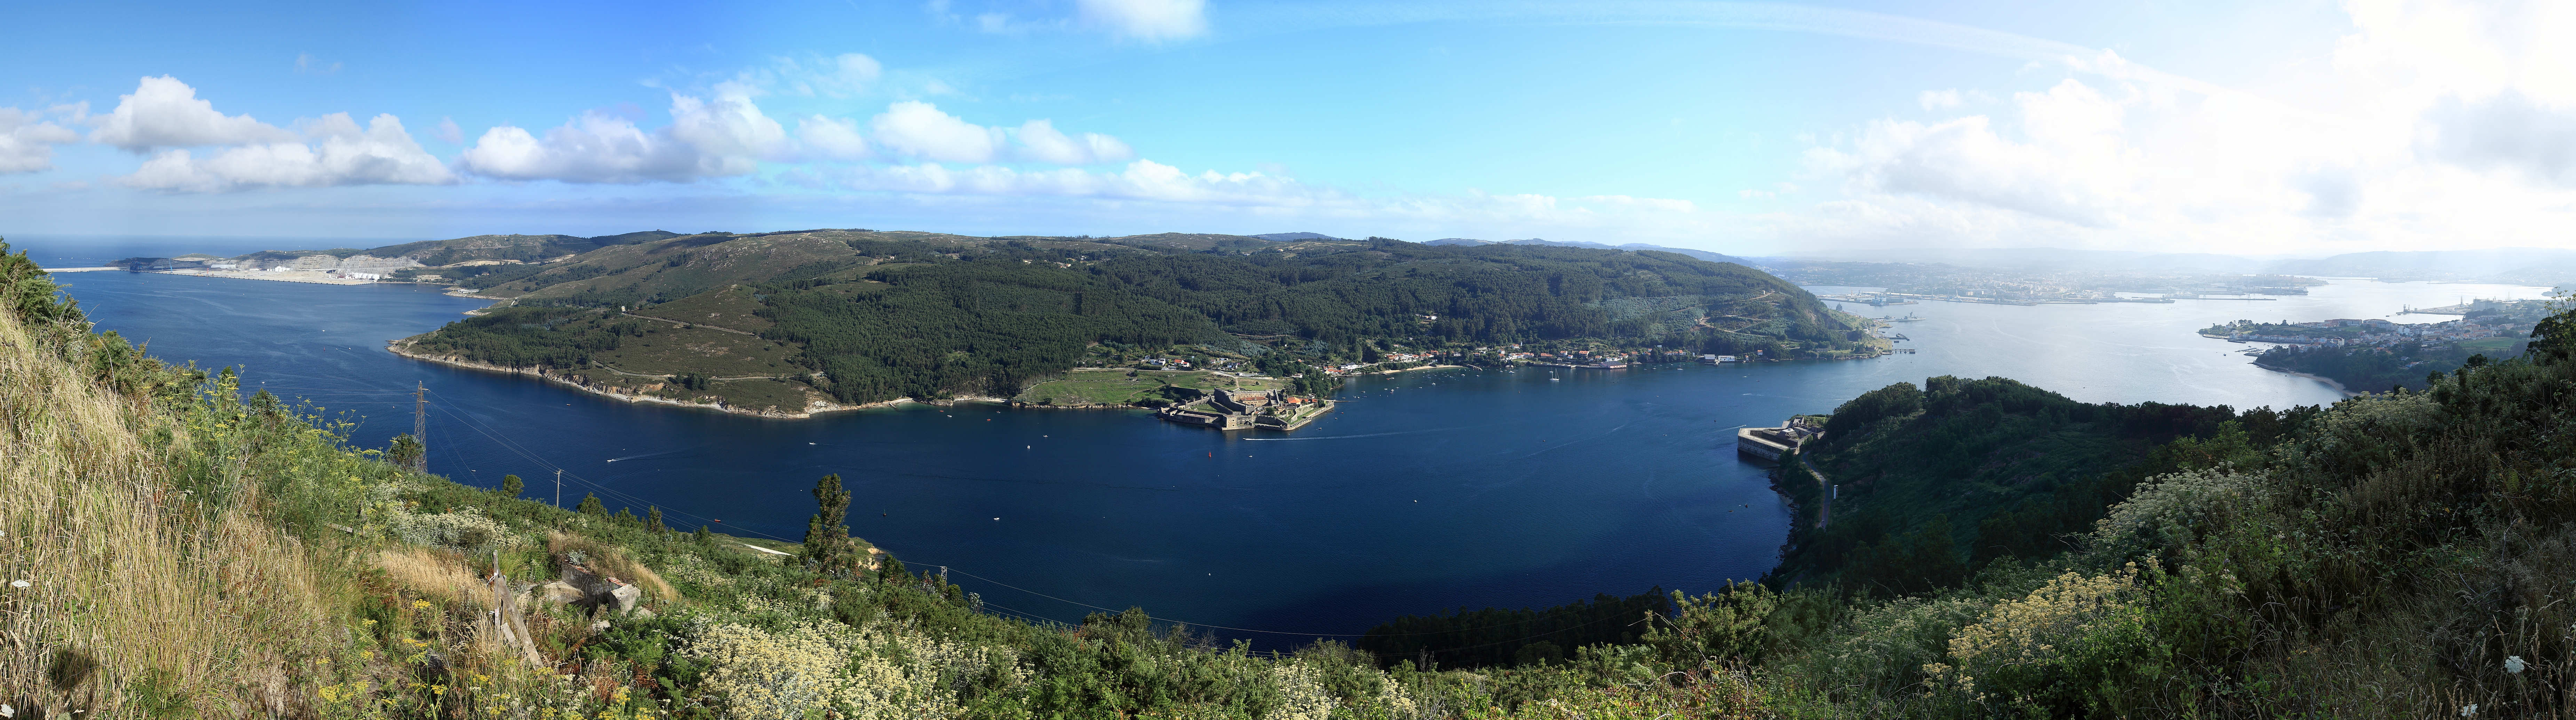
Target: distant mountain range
column 1700, row 254
column 1294, row 236
column 2518, row 266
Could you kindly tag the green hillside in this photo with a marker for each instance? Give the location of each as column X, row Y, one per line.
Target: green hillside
column 1938, row 480
column 872, row 315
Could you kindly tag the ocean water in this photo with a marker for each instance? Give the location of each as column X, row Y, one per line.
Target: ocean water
column 1426, row 491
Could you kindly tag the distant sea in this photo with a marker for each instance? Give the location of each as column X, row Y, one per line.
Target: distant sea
column 1427, row 491
column 92, row 250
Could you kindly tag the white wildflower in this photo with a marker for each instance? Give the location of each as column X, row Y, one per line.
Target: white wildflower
column 8, row 712
column 2470, row 711
column 20, row 584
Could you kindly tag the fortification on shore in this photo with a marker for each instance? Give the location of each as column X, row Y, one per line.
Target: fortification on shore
column 1249, row 410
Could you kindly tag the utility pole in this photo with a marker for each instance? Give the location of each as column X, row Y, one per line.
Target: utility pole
column 420, row 425
column 558, row 487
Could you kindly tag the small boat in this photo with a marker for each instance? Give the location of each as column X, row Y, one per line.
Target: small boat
column 1551, row 376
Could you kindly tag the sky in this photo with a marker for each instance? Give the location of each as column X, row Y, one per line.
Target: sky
column 2301, row 128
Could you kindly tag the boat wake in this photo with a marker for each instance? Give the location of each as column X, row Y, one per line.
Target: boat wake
column 654, row 454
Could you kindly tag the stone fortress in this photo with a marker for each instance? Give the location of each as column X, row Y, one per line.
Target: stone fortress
column 1248, row 410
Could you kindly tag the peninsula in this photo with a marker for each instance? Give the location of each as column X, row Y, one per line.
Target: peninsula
column 789, row 324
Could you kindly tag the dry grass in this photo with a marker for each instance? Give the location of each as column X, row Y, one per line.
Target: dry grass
column 612, row 561
column 434, row 573
column 182, row 608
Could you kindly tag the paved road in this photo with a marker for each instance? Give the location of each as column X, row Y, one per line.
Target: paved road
column 1824, row 494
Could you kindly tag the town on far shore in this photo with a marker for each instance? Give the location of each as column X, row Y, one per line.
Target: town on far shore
column 2360, row 355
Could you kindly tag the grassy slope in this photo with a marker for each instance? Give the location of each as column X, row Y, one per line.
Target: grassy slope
column 1123, row 386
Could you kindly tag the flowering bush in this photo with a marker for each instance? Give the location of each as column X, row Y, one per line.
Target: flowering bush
column 887, row 671
column 465, row 530
column 2053, row 649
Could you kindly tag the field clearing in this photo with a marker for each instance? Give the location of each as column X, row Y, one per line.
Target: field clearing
column 2491, row 346
column 731, row 308
column 1128, row 387
column 666, row 349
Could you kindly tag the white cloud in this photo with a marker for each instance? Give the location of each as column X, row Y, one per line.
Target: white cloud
column 912, row 128
column 27, row 143
column 726, row 136
column 339, row 153
column 1040, row 142
column 832, row 139
column 2438, row 124
column 448, row 132
column 1149, row 20
column 164, row 112
column 919, row 130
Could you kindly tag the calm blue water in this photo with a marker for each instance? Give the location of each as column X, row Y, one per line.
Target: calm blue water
column 1427, row 491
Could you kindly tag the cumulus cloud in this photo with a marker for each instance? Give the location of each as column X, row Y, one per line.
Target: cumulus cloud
column 725, row 136
column 2438, row 123
column 1149, row 20
column 832, row 139
column 338, row 152
column 2069, row 169
column 27, row 142
column 1040, row 142
column 163, row 112
column 918, row 129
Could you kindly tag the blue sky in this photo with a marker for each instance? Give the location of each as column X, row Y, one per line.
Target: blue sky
column 2299, row 127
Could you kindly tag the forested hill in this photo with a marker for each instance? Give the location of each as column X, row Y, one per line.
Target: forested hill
column 1939, row 480
column 870, row 316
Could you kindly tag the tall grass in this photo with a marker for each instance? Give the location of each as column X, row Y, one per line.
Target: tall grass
column 141, row 596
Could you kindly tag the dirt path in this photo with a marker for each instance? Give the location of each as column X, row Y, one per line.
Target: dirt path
column 691, row 324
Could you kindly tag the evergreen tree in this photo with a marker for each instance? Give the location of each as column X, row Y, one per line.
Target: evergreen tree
column 590, row 505
column 891, row 570
column 653, row 519
column 405, row 451
column 704, row 537
column 511, row 485
column 827, row 535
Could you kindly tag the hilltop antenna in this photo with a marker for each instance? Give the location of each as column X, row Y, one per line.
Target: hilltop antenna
column 420, row 426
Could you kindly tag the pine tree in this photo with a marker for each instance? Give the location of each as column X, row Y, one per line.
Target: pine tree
column 405, row 451
column 511, row 485
column 704, row 537
column 590, row 505
column 653, row 519
column 827, row 535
